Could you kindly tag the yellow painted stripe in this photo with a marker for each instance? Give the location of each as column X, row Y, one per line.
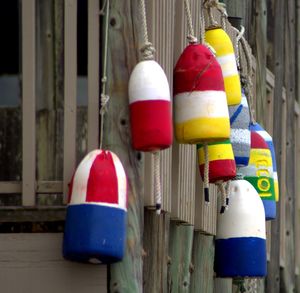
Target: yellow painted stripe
column 220, row 41
column 276, row 187
column 233, row 89
column 216, row 152
column 260, row 158
column 203, row 129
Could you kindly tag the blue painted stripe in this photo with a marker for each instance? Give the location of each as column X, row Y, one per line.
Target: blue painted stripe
column 236, row 114
column 93, row 231
column 241, row 257
column 270, row 209
column 241, row 161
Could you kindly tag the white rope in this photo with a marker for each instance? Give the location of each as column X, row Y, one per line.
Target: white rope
column 157, row 185
column 248, row 77
column 104, row 96
column 237, row 41
column 147, row 49
column 206, row 173
column 202, row 26
column 209, row 4
column 191, row 36
column 221, row 185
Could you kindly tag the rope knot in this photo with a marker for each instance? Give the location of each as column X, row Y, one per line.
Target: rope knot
column 147, row 51
column 192, row 39
column 104, row 101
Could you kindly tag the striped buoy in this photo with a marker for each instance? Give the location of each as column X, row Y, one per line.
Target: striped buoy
column 240, row 133
column 240, row 246
column 200, row 107
column 220, row 41
column 150, row 107
column 268, row 138
column 221, row 161
column 95, row 228
column 259, row 173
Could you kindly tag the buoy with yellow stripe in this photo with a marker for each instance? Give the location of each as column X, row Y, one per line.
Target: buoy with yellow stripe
column 268, row 138
column 259, row 173
column 200, row 106
column 220, row 41
column 221, row 161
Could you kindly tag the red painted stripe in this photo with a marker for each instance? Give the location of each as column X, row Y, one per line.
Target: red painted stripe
column 102, row 184
column 257, row 141
column 197, row 70
column 151, row 125
column 220, row 170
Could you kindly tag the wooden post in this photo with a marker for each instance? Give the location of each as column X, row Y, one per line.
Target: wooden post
column 277, row 66
column 180, row 249
column 127, row 275
column 202, row 277
column 156, row 240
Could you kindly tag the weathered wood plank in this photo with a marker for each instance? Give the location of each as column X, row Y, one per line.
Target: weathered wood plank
column 202, row 277
column 36, row 262
column 28, row 102
column 288, row 280
column 127, row 275
column 70, row 85
column 180, row 249
column 93, row 74
column 223, row 285
column 276, row 20
column 156, row 236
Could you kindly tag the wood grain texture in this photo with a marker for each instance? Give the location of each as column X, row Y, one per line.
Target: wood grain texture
column 127, row 275
column 156, row 240
column 202, row 277
column 180, row 252
column 34, row 263
column 223, row 285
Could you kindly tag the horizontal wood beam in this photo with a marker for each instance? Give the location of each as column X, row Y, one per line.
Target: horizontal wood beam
column 44, row 187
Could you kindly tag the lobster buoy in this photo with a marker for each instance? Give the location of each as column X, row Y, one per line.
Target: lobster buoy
column 95, row 228
column 200, row 107
column 221, row 161
column 268, row 138
column 150, row 107
column 259, row 173
column 220, row 41
column 240, row 247
column 240, row 132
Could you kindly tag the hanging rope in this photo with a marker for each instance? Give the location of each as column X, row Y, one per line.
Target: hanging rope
column 248, row 77
column 209, row 4
column 157, row 185
column 237, row 41
column 206, row 173
column 104, row 96
column 221, row 185
column 147, row 49
column 202, row 27
column 191, row 36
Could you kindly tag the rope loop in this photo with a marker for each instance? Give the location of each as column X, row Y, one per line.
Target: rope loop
column 147, row 51
column 191, row 36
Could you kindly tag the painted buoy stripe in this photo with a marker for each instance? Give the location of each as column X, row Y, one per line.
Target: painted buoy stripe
column 227, row 141
column 197, row 104
column 263, row 156
column 142, row 88
column 215, row 154
column 237, row 112
column 263, row 185
column 240, row 136
column 228, row 65
column 81, row 176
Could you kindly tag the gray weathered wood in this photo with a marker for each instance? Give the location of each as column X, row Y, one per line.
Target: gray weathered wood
column 34, row 263
column 28, row 101
column 127, row 275
column 156, row 237
column 202, row 277
column 223, row 285
column 180, row 250
column 70, row 79
column 93, row 74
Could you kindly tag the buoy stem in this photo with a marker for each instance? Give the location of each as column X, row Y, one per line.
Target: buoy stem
column 206, row 173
